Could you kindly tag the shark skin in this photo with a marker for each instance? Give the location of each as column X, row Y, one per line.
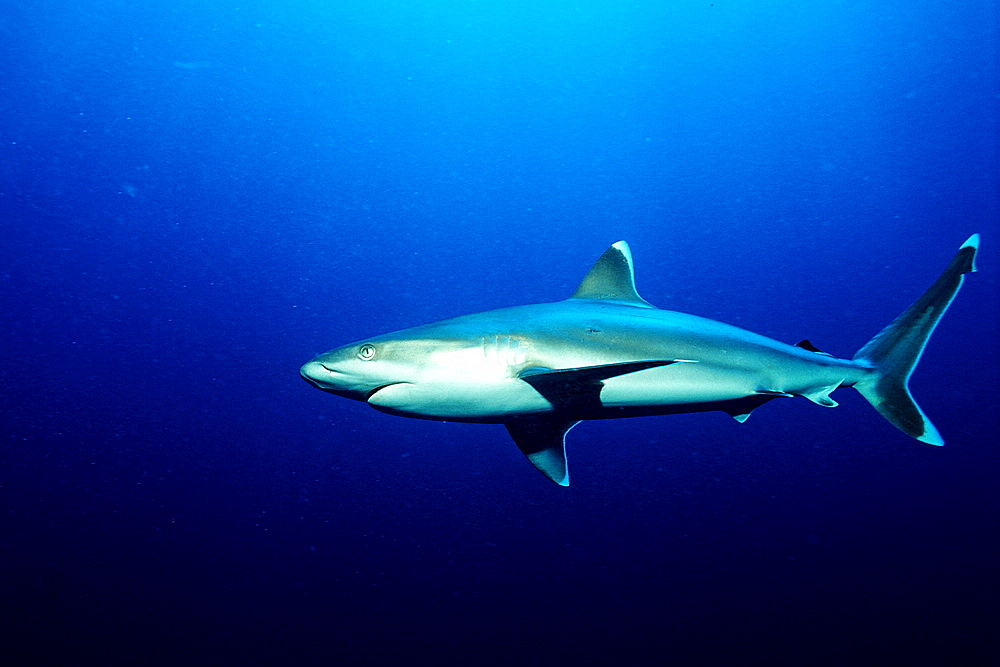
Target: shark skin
column 605, row 353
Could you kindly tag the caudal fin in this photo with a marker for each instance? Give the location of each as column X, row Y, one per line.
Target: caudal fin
column 895, row 351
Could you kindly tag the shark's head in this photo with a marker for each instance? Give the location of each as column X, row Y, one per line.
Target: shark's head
column 359, row 370
column 473, row 368
column 438, row 371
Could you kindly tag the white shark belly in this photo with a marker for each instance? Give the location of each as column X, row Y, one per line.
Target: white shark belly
column 680, row 384
column 475, row 400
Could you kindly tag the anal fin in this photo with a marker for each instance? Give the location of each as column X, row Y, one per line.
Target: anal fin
column 821, row 395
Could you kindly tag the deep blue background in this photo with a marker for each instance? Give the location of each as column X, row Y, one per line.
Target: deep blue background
column 195, row 198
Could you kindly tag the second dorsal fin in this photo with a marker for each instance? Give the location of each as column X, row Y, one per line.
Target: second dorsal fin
column 806, row 345
column 611, row 278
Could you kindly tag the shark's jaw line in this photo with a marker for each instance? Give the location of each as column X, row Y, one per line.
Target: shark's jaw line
column 376, row 390
column 607, row 353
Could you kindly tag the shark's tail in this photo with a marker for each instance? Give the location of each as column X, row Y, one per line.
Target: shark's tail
column 895, row 351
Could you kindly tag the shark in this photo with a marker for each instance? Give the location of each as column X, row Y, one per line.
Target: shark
column 606, row 353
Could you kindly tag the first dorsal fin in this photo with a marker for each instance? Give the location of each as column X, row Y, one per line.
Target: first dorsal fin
column 611, row 278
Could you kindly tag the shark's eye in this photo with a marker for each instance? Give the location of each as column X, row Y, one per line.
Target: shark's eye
column 366, row 352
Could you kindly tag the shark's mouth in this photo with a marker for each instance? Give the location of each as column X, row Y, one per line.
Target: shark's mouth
column 376, row 390
column 330, row 387
column 312, row 381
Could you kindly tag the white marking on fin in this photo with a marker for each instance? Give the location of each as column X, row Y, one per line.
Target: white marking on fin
column 612, row 278
column 821, row 395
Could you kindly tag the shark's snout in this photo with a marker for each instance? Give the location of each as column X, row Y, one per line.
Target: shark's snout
column 316, row 374
column 337, row 382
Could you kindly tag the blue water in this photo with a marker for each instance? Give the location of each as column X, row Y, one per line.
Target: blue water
column 196, row 198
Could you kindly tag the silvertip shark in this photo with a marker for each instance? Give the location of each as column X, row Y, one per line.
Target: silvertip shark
column 605, row 353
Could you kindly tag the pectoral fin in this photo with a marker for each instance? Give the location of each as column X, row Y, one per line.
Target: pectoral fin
column 543, row 440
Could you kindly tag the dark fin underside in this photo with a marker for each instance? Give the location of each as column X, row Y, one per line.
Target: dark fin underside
column 895, row 351
column 542, row 439
column 578, row 390
column 741, row 408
